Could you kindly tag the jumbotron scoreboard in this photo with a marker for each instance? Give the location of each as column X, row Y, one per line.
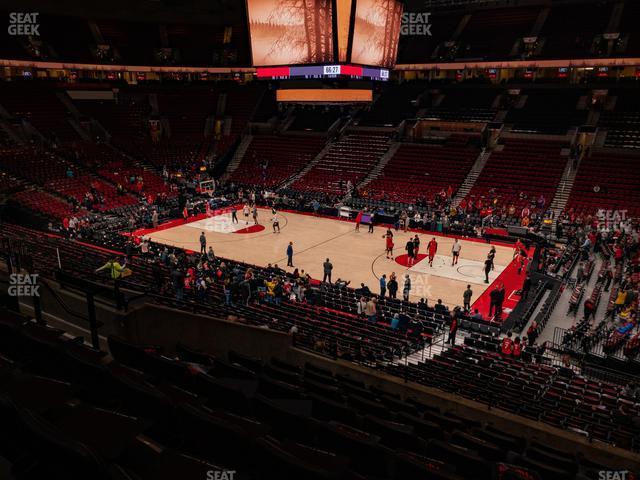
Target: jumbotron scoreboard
column 323, row 72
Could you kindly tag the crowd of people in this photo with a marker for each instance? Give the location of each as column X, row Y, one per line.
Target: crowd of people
column 617, row 282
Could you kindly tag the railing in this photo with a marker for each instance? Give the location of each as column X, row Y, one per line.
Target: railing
column 607, row 375
column 579, row 349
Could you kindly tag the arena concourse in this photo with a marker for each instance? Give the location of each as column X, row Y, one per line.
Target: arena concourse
column 342, row 239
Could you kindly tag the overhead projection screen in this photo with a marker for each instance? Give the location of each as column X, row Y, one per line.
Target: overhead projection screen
column 289, row 32
column 376, row 32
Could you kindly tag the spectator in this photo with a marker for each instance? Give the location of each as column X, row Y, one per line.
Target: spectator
column 290, row 255
column 526, row 285
column 406, row 290
column 506, row 347
column 395, row 321
column 532, row 333
column 370, row 310
column 580, row 273
column 116, row 270
column 494, row 297
column 439, row 307
column 466, row 297
column 328, row 268
column 392, row 286
column 517, row 348
column 589, row 309
column 453, row 328
column 364, row 290
column 362, row 305
column 383, row 285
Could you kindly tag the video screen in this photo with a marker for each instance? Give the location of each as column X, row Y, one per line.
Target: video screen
column 376, row 32
column 343, row 21
column 289, row 32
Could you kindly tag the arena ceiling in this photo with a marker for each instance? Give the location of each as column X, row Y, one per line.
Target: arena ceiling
column 216, row 12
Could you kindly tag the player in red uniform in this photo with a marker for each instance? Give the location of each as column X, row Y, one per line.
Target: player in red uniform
column 432, row 248
column 358, row 220
column 389, row 243
column 522, row 260
column 517, row 248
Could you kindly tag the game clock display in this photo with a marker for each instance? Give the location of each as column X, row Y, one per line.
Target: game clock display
column 323, row 71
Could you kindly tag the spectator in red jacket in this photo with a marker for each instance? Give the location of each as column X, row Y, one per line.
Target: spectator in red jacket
column 517, row 348
column 589, row 309
column 618, row 254
column 506, row 348
column 453, row 327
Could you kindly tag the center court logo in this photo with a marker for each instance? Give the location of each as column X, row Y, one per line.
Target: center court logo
column 23, row 24
column 415, row 24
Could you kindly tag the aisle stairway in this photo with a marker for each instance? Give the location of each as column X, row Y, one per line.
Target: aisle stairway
column 473, row 175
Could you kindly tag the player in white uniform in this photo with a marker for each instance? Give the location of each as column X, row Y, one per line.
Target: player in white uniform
column 246, row 210
column 276, row 223
column 455, row 252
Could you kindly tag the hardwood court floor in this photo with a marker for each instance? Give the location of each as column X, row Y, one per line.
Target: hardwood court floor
column 356, row 256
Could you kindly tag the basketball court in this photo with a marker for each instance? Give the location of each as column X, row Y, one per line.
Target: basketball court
column 356, row 256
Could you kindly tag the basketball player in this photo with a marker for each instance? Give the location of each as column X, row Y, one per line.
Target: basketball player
column 491, row 257
column 255, row 215
column 416, row 246
column 389, row 243
column 410, row 253
column 487, row 268
column 517, row 248
column 455, row 252
column 234, row 216
column 522, row 261
column 432, row 248
column 246, row 211
column 276, row 223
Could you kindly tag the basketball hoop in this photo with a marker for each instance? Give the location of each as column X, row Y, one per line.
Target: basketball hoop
column 208, row 187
